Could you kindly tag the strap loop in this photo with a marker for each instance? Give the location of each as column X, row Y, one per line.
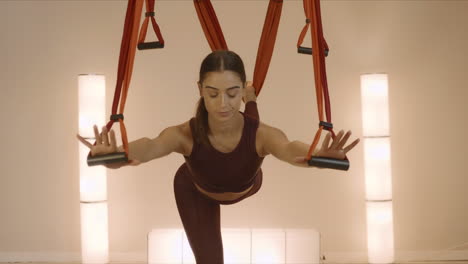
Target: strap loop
column 149, row 15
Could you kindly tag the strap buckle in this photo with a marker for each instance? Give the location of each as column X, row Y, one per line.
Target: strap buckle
column 117, row 117
column 326, row 125
column 150, row 14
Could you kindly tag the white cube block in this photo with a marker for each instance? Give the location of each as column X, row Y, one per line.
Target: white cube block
column 302, row 246
column 236, row 245
column 268, row 246
column 165, row 246
column 187, row 253
column 241, row 246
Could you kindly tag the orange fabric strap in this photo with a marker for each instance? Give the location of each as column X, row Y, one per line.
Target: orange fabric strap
column 210, row 24
column 215, row 37
column 320, row 46
column 127, row 57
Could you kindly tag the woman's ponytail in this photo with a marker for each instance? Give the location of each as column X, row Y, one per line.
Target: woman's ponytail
column 201, row 123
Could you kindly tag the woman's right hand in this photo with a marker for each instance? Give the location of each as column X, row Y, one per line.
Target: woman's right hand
column 105, row 146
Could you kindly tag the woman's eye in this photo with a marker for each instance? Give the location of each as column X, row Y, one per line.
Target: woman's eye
column 230, row 95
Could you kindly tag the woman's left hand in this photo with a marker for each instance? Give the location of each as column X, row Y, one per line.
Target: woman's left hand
column 336, row 150
column 249, row 94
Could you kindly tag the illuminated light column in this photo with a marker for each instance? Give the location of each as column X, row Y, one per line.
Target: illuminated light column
column 377, row 168
column 93, row 181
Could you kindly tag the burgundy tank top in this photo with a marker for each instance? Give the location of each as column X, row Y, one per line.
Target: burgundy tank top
column 218, row 172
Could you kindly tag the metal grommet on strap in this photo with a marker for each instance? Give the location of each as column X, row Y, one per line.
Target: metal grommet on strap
column 117, row 117
column 326, row 125
column 148, row 14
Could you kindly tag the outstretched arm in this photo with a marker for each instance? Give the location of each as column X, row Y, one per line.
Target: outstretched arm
column 275, row 142
column 171, row 139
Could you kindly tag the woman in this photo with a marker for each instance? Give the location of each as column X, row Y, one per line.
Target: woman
column 223, row 148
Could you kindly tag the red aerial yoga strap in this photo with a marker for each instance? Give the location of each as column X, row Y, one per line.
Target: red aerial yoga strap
column 312, row 12
column 214, row 35
column 126, row 59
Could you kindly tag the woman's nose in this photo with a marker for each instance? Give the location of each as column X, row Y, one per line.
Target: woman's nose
column 223, row 100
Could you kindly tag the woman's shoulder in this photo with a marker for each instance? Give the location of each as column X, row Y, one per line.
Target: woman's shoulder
column 262, row 127
column 266, row 132
column 184, row 128
column 183, row 134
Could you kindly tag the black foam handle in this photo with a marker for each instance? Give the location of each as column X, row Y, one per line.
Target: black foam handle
column 304, row 50
column 329, row 163
column 107, row 159
column 150, row 45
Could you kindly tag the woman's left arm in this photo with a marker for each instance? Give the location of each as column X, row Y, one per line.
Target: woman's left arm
column 275, row 142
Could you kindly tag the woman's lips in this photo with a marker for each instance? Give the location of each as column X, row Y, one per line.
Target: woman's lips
column 224, row 113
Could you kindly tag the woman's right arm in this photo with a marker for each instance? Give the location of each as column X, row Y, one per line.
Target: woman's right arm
column 171, row 139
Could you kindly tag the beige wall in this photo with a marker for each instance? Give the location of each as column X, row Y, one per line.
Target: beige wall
column 420, row 44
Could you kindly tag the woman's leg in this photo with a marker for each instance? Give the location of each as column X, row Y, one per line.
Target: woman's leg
column 201, row 219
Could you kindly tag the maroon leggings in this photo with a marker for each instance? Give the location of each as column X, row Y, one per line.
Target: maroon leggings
column 200, row 216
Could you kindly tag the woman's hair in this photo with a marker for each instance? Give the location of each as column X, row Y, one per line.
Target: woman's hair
column 217, row 61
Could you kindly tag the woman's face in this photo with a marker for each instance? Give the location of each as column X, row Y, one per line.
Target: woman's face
column 222, row 92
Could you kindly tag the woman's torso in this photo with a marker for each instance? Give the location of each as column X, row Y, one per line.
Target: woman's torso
column 224, row 145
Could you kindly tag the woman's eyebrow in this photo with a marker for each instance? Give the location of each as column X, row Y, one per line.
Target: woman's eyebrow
column 234, row 87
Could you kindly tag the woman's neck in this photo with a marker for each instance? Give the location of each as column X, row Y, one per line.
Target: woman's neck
column 226, row 128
